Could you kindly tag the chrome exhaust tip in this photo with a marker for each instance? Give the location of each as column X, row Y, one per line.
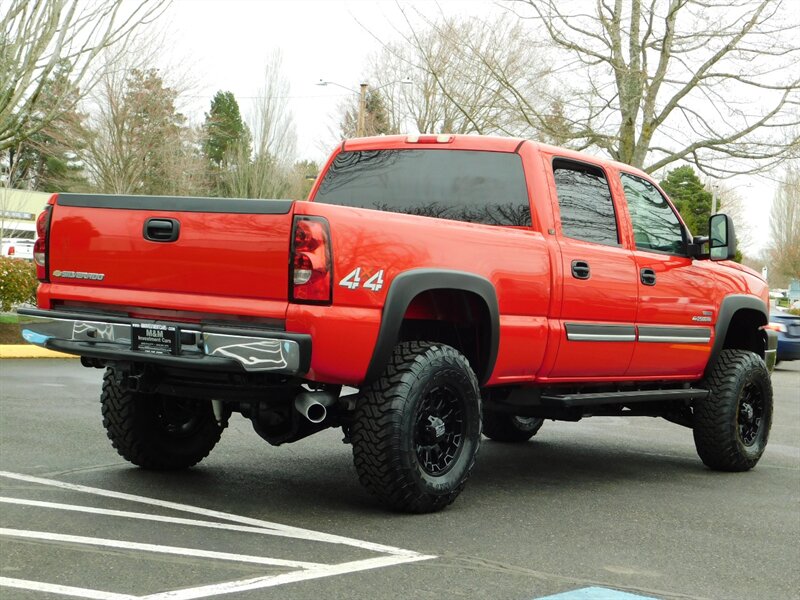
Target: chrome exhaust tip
column 314, row 405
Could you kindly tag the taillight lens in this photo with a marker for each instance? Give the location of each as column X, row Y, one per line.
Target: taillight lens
column 40, row 245
column 12, row 251
column 311, row 274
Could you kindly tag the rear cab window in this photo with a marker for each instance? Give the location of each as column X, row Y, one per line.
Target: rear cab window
column 461, row 185
column 585, row 203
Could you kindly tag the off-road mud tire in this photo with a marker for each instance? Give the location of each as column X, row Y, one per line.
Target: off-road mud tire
column 731, row 426
column 157, row 432
column 508, row 428
column 417, row 429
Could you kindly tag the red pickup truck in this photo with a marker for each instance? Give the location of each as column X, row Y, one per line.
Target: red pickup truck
column 461, row 284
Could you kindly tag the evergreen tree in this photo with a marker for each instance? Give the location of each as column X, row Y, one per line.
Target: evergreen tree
column 304, row 173
column 690, row 197
column 155, row 127
column 376, row 117
column 137, row 141
column 224, row 129
column 48, row 159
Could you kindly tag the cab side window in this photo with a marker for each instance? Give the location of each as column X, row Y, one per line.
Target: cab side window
column 656, row 227
column 584, row 200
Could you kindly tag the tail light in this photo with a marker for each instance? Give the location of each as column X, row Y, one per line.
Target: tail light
column 41, row 245
column 310, row 273
column 12, row 251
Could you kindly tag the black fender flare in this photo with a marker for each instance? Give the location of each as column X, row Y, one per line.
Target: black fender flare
column 729, row 307
column 406, row 286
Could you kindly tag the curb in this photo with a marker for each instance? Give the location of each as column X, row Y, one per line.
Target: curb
column 30, row 351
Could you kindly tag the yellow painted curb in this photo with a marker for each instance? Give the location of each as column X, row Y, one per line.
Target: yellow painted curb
column 29, row 351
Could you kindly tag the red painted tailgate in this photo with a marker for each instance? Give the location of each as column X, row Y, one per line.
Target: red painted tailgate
column 239, row 254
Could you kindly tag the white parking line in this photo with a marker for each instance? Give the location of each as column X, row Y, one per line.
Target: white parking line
column 265, row 582
column 155, row 548
column 302, row 570
column 63, row 590
column 145, row 517
column 294, row 532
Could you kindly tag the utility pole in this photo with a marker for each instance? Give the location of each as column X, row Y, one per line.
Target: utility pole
column 361, row 117
column 714, row 187
column 362, row 112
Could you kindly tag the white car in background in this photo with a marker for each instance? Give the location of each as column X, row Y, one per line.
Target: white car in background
column 14, row 247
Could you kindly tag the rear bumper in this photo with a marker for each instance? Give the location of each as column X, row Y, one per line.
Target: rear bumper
column 216, row 347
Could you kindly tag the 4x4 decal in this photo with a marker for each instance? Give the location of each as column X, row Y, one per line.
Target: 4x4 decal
column 353, row 280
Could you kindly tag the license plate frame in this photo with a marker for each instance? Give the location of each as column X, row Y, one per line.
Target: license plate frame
column 155, row 338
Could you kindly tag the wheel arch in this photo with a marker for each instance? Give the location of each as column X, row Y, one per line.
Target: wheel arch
column 739, row 327
column 411, row 287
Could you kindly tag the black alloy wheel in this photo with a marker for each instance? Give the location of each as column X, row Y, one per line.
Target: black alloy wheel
column 751, row 414
column 439, row 431
column 417, row 429
column 155, row 431
column 731, row 426
column 508, row 428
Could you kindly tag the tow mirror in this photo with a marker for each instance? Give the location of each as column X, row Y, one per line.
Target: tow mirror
column 722, row 237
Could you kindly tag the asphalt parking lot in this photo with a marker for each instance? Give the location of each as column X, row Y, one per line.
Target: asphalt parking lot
column 619, row 508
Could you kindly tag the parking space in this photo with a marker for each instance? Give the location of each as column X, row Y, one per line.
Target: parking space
column 213, row 537
column 605, row 509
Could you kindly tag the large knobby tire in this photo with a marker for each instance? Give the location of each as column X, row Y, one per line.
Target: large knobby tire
column 512, row 429
column 731, row 426
column 417, row 429
column 154, row 431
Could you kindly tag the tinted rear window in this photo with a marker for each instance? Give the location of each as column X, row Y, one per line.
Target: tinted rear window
column 463, row 185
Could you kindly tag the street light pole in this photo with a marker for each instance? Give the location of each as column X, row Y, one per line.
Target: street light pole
column 714, row 187
column 362, row 112
column 361, row 118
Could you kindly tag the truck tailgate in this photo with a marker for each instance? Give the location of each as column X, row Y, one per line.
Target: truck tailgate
column 223, row 248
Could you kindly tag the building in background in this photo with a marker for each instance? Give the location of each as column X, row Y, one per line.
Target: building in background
column 18, row 212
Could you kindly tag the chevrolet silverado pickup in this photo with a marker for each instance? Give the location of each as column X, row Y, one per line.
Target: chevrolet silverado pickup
column 433, row 288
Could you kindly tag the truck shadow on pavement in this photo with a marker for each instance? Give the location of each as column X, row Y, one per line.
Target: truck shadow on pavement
column 330, row 487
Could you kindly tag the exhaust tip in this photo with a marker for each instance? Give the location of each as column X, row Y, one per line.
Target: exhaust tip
column 314, row 405
column 316, row 413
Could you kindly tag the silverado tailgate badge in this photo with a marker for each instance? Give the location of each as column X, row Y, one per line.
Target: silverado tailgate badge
column 79, row 275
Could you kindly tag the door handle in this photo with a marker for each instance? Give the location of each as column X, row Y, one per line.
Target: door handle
column 161, row 230
column 648, row 276
column 580, row 269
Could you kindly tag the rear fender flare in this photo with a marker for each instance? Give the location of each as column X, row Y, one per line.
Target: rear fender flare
column 408, row 285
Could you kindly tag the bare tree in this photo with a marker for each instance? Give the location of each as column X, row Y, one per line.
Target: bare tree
column 137, row 140
column 456, row 65
column 731, row 201
column 652, row 82
column 39, row 36
column 784, row 227
column 266, row 172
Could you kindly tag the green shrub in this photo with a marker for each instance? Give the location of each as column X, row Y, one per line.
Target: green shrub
column 17, row 282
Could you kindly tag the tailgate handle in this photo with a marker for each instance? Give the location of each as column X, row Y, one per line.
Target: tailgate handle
column 161, row 230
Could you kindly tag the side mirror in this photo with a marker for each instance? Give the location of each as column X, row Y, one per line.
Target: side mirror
column 722, row 237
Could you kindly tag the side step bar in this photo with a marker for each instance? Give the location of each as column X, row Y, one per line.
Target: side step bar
column 595, row 399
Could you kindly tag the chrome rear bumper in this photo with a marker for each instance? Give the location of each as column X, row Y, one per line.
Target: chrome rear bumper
column 198, row 346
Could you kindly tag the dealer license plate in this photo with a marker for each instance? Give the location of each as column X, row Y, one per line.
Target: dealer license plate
column 154, row 338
